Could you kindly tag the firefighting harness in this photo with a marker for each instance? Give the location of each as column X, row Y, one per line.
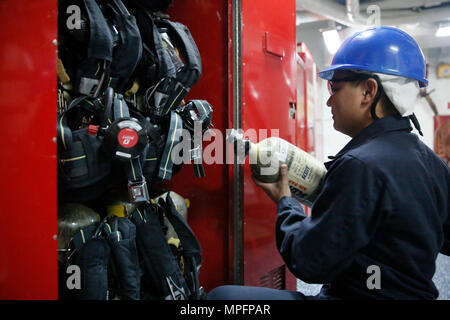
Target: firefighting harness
column 122, row 81
column 114, row 47
column 167, row 74
column 110, row 255
column 86, row 155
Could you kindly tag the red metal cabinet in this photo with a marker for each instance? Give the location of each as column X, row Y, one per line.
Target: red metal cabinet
column 268, row 94
column 267, row 90
column 208, row 196
column 260, row 80
column 28, row 261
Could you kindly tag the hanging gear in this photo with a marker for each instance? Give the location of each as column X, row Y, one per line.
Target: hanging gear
column 162, row 277
column 197, row 118
column 113, row 46
column 121, row 236
column 173, row 138
column 171, row 64
column 125, row 140
column 121, row 81
column 191, row 246
column 81, row 160
column 71, row 218
column 91, row 253
column 128, row 52
column 89, row 67
column 118, row 203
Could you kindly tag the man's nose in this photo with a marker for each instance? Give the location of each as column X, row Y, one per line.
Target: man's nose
column 329, row 101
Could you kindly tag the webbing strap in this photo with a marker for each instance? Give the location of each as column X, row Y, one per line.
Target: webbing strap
column 82, row 236
column 100, row 38
column 133, row 169
column 128, row 54
column 63, row 131
column 173, row 138
column 160, row 264
column 120, row 107
column 190, row 244
column 416, row 123
column 193, row 68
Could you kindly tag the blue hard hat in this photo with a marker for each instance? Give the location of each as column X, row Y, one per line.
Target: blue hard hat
column 383, row 50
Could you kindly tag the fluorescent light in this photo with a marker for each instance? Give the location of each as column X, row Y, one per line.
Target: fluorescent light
column 443, row 31
column 331, row 39
column 394, row 48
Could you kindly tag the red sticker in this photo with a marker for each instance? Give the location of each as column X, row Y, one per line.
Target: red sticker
column 127, row 138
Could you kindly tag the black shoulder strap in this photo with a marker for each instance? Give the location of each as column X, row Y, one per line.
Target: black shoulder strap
column 121, row 236
column 165, row 277
column 92, row 71
column 173, row 138
column 191, row 246
column 153, row 46
column 128, row 54
column 193, row 66
column 91, row 254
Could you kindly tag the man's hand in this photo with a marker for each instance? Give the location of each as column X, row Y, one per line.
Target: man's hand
column 276, row 190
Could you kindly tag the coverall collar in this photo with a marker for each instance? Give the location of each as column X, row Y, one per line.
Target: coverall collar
column 380, row 126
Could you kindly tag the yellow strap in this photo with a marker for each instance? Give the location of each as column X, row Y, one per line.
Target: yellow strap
column 134, row 88
column 62, row 132
column 98, row 69
column 118, row 210
column 132, row 168
column 174, row 241
column 203, row 107
column 171, row 105
column 62, row 74
column 73, row 159
column 141, row 215
column 82, row 235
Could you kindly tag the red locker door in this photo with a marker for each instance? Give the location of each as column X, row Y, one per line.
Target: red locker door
column 28, row 260
column 268, row 94
column 209, row 196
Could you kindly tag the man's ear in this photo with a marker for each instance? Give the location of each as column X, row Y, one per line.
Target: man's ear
column 369, row 90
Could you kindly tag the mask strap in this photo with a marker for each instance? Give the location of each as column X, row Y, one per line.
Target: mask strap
column 416, row 123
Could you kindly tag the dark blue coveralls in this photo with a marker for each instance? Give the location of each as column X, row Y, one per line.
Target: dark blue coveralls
column 384, row 203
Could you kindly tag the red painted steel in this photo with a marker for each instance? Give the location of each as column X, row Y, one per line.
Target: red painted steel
column 268, row 88
column 28, row 260
column 209, row 211
column 28, row 268
column 308, row 131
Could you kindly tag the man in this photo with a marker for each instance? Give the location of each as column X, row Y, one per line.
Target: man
column 382, row 215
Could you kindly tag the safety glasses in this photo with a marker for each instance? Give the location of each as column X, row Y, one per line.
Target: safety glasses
column 332, row 89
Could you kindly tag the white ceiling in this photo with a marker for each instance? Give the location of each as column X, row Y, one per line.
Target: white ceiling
column 420, row 18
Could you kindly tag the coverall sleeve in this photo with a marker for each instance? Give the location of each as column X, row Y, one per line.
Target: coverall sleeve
column 317, row 248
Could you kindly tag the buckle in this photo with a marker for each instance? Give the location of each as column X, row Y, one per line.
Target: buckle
column 138, row 191
column 196, row 153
